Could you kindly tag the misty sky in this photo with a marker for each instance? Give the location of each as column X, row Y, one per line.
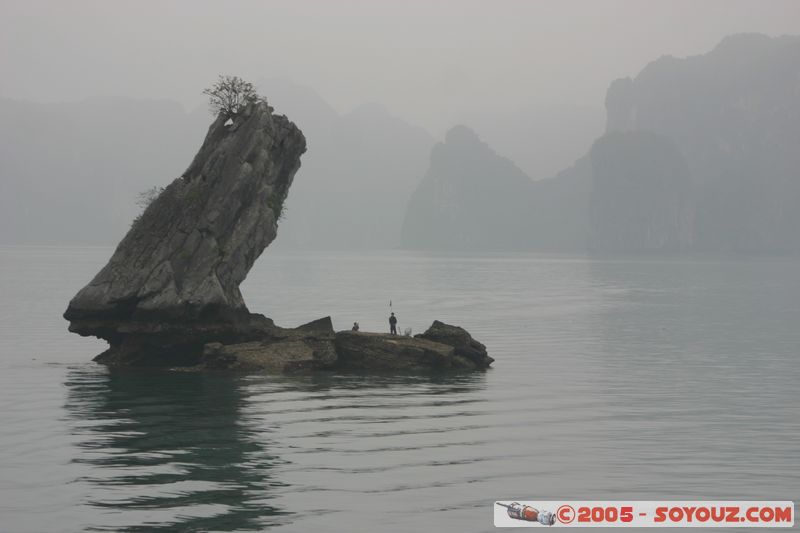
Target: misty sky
column 429, row 62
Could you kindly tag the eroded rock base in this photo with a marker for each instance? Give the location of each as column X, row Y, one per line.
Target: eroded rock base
column 258, row 345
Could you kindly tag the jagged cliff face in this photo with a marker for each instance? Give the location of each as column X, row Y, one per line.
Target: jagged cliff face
column 734, row 115
column 641, row 196
column 726, row 103
column 185, row 256
column 470, row 198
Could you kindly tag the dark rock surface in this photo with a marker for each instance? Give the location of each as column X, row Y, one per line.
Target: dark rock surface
column 315, row 346
column 380, row 351
column 448, row 347
column 172, row 285
column 186, row 255
column 308, row 347
column 462, row 342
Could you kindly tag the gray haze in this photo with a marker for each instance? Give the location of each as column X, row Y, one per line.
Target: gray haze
column 430, row 62
column 444, row 137
column 699, row 155
column 99, row 101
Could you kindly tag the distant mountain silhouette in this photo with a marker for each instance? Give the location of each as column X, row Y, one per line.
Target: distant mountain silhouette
column 700, row 154
column 641, row 194
column 71, row 172
column 734, row 114
column 541, row 140
column 470, row 198
column 355, row 180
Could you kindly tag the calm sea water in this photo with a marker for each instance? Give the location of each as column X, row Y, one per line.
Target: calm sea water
column 614, row 379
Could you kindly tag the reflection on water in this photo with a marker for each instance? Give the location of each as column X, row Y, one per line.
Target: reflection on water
column 615, row 379
column 179, row 442
column 197, row 452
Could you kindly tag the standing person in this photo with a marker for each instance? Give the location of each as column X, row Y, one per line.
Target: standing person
column 393, row 324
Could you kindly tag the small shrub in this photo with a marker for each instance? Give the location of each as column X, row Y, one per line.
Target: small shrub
column 278, row 205
column 229, row 95
column 145, row 198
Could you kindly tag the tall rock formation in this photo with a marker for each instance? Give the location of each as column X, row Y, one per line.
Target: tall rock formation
column 470, row 198
column 169, row 295
column 182, row 261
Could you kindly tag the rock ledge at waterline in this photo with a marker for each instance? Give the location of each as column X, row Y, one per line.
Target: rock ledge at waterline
column 169, row 296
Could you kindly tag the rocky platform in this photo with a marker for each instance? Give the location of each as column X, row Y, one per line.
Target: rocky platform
column 441, row 347
column 169, row 296
column 316, row 346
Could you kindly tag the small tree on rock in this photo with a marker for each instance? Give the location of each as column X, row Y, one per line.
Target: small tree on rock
column 229, row 95
column 145, row 198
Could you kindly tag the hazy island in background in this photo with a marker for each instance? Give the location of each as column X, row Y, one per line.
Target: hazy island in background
column 698, row 155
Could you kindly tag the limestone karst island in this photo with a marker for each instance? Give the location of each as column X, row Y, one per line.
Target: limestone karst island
column 169, row 296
